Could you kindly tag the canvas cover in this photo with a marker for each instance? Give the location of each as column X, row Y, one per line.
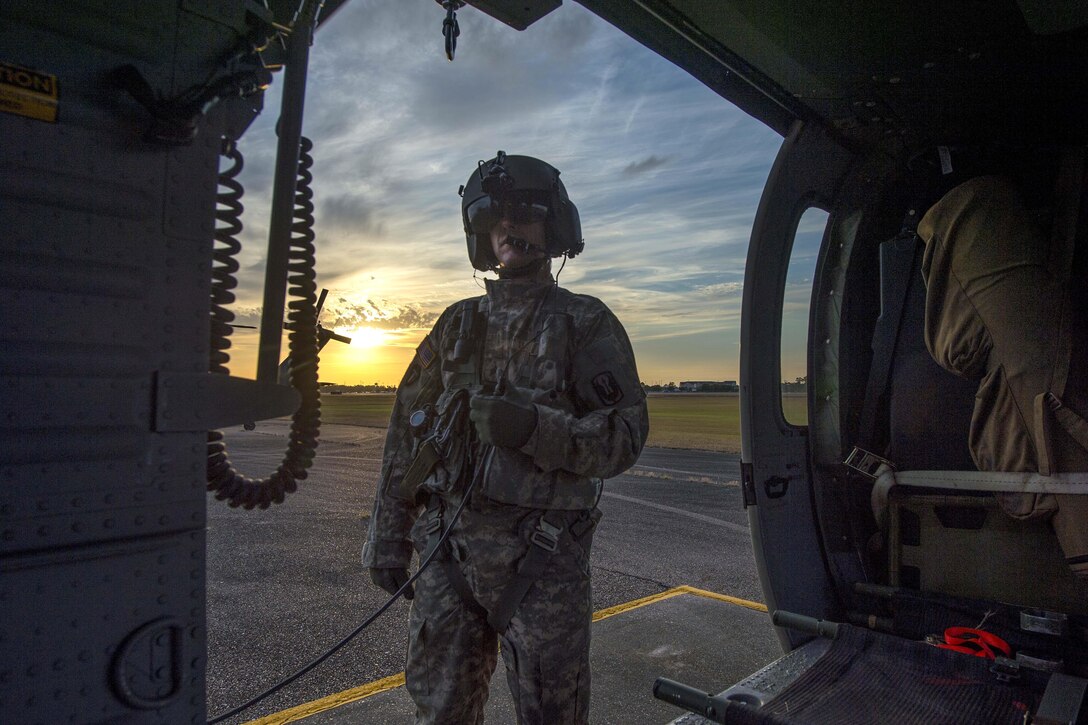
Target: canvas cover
column 999, row 309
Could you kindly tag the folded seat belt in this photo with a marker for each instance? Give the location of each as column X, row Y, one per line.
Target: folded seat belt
column 898, row 269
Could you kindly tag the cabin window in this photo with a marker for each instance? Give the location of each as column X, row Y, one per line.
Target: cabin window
column 795, row 314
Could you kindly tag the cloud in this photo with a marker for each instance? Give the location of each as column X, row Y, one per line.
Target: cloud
column 343, row 314
column 647, row 164
column 245, row 315
column 722, row 289
column 666, row 175
column 348, row 213
column 340, row 315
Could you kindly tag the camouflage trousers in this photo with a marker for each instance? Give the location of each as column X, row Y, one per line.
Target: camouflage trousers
column 453, row 651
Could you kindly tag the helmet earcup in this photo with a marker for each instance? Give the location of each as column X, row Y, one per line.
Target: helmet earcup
column 480, row 252
column 567, row 229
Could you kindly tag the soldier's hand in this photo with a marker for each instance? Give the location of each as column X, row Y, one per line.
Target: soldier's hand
column 391, row 580
column 506, row 420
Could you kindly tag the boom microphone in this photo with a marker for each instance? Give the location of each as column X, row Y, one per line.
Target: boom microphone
column 523, row 245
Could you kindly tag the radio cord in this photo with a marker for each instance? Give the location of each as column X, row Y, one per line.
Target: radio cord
column 485, row 452
column 223, row 479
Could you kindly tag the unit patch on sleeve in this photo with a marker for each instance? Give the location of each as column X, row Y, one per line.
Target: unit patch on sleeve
column 603, row 377
column 607, row 388
column 425, row 352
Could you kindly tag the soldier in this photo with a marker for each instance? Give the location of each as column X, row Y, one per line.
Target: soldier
column 516, row 405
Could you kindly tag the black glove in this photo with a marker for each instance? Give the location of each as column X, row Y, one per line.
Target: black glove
column 507, row 420
column 391, row 580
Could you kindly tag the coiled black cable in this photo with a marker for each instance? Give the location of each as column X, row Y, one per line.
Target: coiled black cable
column 228, row 212
column 223, row 479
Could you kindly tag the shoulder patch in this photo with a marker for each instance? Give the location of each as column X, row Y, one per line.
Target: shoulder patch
column 425, row 352
column 605, row 376
column 607, row 388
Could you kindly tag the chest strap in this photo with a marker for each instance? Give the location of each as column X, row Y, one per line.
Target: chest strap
column 445, row 558
column 544, row 541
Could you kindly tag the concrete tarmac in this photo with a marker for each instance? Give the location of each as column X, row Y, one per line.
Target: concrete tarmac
column 285, row 585
column 677, row 634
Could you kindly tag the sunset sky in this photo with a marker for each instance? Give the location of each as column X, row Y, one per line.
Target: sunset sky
column 666, row 174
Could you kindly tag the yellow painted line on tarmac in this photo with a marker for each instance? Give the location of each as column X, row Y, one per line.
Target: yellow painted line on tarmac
column 327, row 703
column 635, row 604
column 759, row 607
column 394, row 681
column 675, row 592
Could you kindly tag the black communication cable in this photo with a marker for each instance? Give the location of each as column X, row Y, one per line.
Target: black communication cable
column 485, row 452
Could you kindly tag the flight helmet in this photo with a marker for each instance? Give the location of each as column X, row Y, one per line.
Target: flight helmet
column 524, row 189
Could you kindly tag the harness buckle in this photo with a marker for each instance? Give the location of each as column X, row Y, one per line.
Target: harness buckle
column 434, row 525
column 866, row 463
column 1005, row 669
column 546, row 536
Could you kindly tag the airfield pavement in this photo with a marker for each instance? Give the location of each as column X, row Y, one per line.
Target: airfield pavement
column 286, row 584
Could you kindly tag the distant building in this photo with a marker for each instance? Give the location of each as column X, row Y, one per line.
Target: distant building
column 799, row 385
column 709, row 386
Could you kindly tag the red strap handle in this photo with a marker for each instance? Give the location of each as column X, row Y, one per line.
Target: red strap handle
column 975, row 642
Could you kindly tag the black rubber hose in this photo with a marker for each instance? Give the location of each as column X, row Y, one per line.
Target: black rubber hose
column 223, row 479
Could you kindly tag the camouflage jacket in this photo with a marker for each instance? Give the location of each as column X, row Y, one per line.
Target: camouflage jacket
column 566, row 352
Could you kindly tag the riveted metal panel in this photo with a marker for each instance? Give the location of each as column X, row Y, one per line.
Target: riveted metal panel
column 83, row 663
column 107, row 245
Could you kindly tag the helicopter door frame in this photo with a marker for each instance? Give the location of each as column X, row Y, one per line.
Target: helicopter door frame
column 777, row 479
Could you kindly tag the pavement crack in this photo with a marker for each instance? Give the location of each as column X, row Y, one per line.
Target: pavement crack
column 646, row 579
column 667, row 475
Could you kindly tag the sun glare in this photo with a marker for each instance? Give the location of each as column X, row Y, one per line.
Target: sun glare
column 362, row 337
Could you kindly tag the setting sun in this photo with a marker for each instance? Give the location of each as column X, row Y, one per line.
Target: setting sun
column 366, row 337
column 374, row 356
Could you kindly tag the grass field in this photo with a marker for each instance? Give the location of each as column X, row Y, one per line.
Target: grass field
column 704, row 421
column 368, row 410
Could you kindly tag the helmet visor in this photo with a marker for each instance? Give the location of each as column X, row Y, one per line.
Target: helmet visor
column 487, row 211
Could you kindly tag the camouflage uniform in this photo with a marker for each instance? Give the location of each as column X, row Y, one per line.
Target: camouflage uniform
column 572, row 357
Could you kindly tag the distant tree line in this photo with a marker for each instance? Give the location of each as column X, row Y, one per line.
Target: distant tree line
column 799, row 385
column 726, row 386
column 337, row 389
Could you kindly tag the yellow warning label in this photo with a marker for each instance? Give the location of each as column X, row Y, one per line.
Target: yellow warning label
column 29, row 93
